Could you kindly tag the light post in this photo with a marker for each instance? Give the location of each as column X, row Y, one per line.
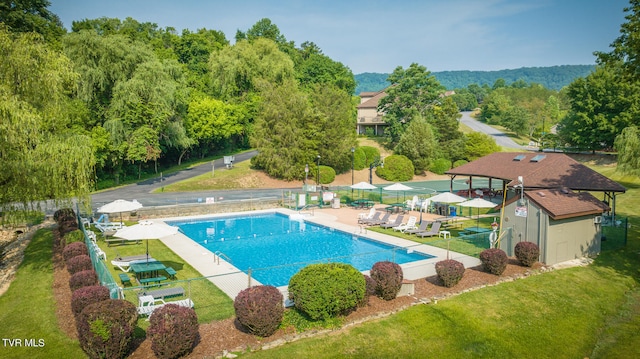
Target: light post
column 318, row 173
column 306, row 173
column 353, row 151
column 376, row 163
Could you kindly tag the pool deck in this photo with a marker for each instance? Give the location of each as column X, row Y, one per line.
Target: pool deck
column 231, row 280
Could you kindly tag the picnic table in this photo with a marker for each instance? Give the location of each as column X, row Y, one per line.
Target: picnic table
column 397, row 208
column 148, row 271
column 362, row 203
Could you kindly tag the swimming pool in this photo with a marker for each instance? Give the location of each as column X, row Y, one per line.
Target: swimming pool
column 275, row 247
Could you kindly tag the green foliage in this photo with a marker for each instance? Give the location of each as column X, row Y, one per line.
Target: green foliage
column 173, row 331
column 74, row 249
column 397, row 168
column 84, row 296
column 527, row 253
column 388, row 278
column 440, row 166
column 32, row 16
column 326, row 290
column 459, row 163
column 327, row 175
column 260, row 309
column 494, row 260
column 84, row 278
column 105, row 328
column 627, row 144
column 413, row 95
column 371, row 154
column 478, row 144
column 359, row 159
column 418, row 144
column 79, row 263
column 450, row 272
column 74, row 236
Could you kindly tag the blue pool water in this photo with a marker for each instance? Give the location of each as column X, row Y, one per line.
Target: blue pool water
column 276, row 247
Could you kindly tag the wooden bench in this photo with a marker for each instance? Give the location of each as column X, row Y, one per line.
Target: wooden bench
column 124, row 278
column 152, row 279
column 171, row 272
column 165, row 293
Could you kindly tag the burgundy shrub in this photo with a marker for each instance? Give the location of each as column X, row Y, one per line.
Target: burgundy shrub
column 527, row 253
column 450, row 272
column 105, row 329
column 83, row 279
column 494, row 260
column 84, row 296
column 260, row 309
column 173, row 331
column 79, row 263
column 74, row 249
column 388, row 277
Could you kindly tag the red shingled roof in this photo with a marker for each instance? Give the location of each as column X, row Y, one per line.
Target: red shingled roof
column 538, row 170
column 561, row 204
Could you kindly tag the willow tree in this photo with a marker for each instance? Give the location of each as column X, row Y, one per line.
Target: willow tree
column 627, row 144
column 42, row 158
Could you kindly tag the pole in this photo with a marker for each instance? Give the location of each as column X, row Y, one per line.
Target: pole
column 318, row 172
column 353, row 150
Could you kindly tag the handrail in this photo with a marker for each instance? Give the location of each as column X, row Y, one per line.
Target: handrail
column 218, row 254
column 307, row 206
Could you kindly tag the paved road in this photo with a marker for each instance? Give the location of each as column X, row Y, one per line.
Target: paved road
column 142, row 191
column 501, row 138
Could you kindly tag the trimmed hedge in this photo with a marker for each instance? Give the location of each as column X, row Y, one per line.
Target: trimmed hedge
column 327, row 175
column 74, row 236
column 260, row 309
column 388, row 277
column 79, row 263
column 173, row 331
column 326, row 290
column 63, row 213
column 527, row 253
column 83, row 279
column 440, row 166
column 105, row 329
column 84, row 296
column 494, row 260
column 397, row 168
column 73, row 250
column 450, row 272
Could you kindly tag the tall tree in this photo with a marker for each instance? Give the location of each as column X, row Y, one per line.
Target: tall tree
column 419, row 144
column 627, row 144
column 626, row 48
column 31, row 16
column 412, row 93
column 41, row 159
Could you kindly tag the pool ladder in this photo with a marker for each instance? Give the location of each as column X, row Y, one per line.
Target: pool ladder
column 218, row 254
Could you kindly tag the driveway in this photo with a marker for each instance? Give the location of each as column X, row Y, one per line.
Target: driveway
column 501, row 138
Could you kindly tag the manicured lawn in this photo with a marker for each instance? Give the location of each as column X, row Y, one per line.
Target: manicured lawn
column 210, row 302
column 27, row 309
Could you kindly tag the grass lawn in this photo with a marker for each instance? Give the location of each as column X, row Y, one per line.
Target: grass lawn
column 221, row 180
column 27, row 309
column 210, row 302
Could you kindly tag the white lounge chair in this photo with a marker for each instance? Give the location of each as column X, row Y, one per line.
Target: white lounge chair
column 364, row 216
column 147, row 304
column 411, row 224
column 124, row 264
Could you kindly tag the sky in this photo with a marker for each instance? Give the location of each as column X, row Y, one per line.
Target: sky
column 380, row 35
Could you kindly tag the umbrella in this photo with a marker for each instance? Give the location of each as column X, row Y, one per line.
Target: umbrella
column 397, row 187
column 447, row 197
column 119, row 206
column 478, row 203
column 363, row 185
column 146, row 230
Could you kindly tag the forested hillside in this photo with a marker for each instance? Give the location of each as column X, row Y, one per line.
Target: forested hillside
column 554, row 77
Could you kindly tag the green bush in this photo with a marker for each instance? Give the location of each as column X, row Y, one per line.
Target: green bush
column 260, row 309
column 527, row 253
column 397, row 168
column 388, row 277
column 105, row 329
column 440, row 166
column 459, row 163
column 73, row 250
column 327, row 175
column 74, row 236
column 494, row 260
column 79, row 263
column 450, row 272
column 84, row 296
column 326, row 290
column 371, row 154
column 359, row 159
column 81, row 279
column 173, row 331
